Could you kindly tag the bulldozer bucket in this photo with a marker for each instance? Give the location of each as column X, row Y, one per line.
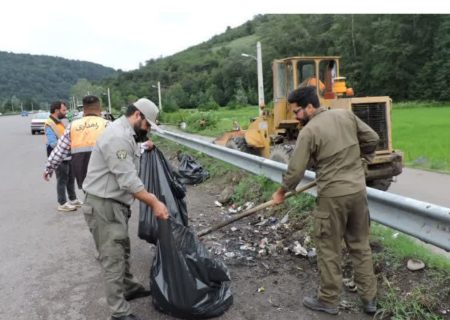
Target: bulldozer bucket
column 223, row 139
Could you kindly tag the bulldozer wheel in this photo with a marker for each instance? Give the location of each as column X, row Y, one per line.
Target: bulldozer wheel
column 380, row 184
column 238, row 143
column 280, row 154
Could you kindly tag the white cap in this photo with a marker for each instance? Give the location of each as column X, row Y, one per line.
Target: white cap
column 149, row 110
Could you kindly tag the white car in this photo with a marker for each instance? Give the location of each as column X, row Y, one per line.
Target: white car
column 38, row 121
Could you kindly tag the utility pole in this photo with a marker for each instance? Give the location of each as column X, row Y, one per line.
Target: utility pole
column 159, row 96
column 258, row 60
column 109, row 101
column 261, row 102
column 158, row 86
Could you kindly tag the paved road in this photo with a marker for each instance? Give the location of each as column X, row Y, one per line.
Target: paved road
column 423, row 185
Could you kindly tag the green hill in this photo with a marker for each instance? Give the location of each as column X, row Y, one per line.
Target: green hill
column 36, row 79
column 403, row 56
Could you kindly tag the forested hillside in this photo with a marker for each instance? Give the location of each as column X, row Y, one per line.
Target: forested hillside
column 27, row 79
column 403, row 56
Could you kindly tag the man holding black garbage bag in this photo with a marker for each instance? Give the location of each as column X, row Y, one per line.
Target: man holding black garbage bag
column 112, row 183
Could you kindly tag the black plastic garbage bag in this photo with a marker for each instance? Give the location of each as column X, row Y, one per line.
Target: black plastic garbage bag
column 190, row 171
column 158, row 178
column 185, row 281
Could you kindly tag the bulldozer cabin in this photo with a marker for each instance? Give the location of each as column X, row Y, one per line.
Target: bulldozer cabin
column 273, row 133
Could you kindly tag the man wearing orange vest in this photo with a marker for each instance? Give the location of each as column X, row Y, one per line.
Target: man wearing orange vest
column 54, row 129
column 78, row 140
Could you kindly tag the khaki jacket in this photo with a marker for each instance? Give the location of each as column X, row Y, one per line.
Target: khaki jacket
column 332, row 141
column 114, row 164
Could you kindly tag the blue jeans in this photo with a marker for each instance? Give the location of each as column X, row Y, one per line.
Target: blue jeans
column 65, row 181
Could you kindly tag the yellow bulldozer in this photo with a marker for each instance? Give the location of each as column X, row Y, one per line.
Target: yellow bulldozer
column 273, row 133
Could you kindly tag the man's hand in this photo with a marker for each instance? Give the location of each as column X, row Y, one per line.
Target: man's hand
column 158, row 207
column 278, row 196
column 47, row 176
column 147, row 145
column 160, row 210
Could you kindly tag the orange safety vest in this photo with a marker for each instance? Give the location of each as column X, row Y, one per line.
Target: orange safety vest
column 84, row 133
column 57, row 127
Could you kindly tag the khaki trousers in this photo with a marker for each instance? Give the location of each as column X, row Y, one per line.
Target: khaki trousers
column 108, row 222
column 337, row 218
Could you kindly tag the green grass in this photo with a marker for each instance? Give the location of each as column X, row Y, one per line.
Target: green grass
column 223, row 119
column 402, row 247
column 416, row 306
column 227, row 116
column 422, row 132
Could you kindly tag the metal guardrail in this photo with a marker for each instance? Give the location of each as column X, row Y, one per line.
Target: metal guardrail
column 425, row 221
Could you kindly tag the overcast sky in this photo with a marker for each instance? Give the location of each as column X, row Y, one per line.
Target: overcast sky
column 122, row 34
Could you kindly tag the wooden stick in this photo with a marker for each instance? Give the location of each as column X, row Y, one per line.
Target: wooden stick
column 253, row 210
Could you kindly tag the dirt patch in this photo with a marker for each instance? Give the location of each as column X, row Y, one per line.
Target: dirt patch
column 268, row 280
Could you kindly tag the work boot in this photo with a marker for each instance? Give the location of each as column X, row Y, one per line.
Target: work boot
column 370, row 307
column 140, row 293
column 315, row 304
column 128, row 317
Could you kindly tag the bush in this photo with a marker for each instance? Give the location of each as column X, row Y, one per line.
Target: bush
column 174, row 117
column 170, row 104
column 233, row 105
column 200, row 121
column 170, row 108
column 210, row 105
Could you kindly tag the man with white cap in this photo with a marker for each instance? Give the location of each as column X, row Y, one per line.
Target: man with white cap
column 112, row 183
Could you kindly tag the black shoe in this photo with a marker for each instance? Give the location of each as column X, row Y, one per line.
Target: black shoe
column 317, row 305
column 370, row 307
column 128, row 317
column 140, row 293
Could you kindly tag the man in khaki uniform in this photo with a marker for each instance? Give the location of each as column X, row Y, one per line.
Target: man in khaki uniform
column 111, row 184
column 334, row 141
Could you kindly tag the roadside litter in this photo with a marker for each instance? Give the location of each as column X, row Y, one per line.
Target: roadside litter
column 262, row 236
column 190, row 171
column 253, row 210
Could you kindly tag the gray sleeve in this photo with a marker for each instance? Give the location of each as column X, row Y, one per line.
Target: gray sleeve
column 119, row 156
